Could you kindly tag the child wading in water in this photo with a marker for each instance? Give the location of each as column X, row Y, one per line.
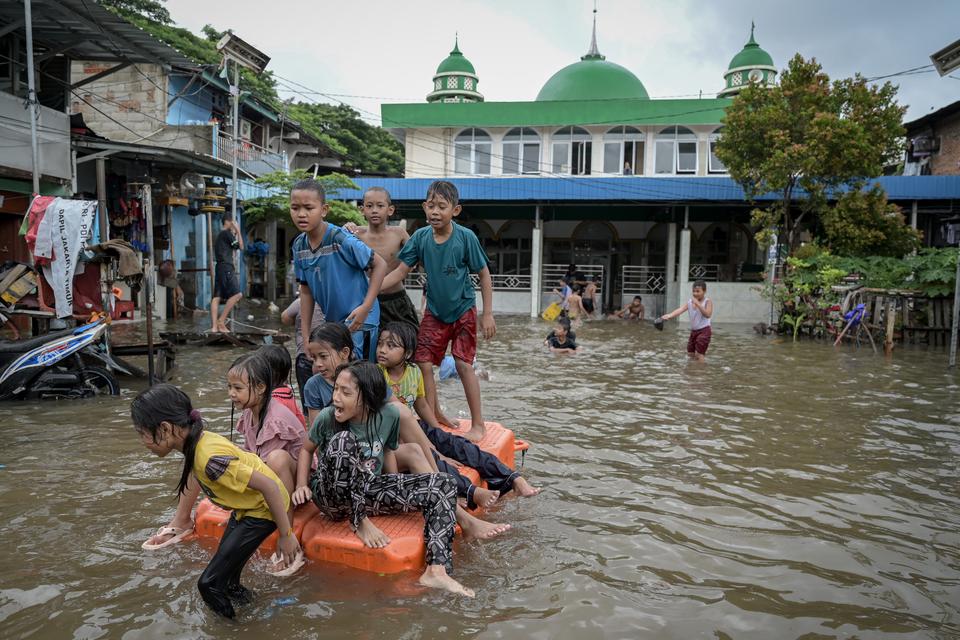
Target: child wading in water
column 331, row 266
column 233, row 479
column 562, row 339
column 355, row 439
column 449, row 253
column 700, row 309
column 398, row 342
column 386, row 241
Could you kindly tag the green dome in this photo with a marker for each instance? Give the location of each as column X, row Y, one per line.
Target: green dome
column 593, row 78
column 456, row 63
column 751, row 56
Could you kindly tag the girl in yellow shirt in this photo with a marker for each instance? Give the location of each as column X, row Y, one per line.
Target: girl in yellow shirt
column 232, row 478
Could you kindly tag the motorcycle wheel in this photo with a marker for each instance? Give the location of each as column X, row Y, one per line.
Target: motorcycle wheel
column 100, row 382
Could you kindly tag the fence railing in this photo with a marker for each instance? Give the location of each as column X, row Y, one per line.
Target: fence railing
column 642, row 279
column 552, row 274
column 251, row 158
column 708, row 272
column 501, row 282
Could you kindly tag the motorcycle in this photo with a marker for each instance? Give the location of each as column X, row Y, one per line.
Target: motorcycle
column 52, row 366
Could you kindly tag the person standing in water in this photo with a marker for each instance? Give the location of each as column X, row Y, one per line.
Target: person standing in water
column 700, row 309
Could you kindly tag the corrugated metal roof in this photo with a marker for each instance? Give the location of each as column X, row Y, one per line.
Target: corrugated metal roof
column 630, row 189
column 84, row 30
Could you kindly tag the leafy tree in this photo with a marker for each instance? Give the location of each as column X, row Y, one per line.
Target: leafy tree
column 806, row 139
column 276, row 205
column 151, row 9
column 863, row 223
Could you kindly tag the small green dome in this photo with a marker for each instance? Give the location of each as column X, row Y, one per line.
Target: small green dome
column 751, row 55
column 593, row 78
column 456, row 63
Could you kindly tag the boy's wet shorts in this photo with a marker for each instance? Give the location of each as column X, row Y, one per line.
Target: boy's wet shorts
column 397, row 307
column 225, row 282
column 699, row 340
column 434, row 336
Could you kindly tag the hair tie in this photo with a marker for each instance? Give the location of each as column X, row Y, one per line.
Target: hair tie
column 194, row 415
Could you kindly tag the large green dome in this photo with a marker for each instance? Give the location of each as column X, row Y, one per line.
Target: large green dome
column 593, row 78
column 456, row 63
column 751, row 56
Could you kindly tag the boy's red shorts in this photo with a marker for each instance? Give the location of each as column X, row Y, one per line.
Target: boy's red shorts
column 699, row 340
column 434, row 336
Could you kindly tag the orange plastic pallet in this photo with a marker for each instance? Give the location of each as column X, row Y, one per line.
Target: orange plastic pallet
column 325, row 540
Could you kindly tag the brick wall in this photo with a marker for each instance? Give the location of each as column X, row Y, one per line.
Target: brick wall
column 125, row 105
column 947, row 161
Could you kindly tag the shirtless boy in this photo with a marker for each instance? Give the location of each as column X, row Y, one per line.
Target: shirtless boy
column 386, row 241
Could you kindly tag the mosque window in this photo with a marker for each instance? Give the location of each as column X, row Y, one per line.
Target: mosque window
column 716, row 166
column 451, row 82
column 521, row 151
column 572, row 148
column 468, row 84
column 675, row 151
column 623, row 151
column 438, row 84
column 736, row 79
column 472, row 149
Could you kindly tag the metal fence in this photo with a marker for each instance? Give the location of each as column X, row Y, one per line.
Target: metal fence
column 708, row 272
column 641, row 279
column 502, row 282
column 251, row 158
column 552, row 274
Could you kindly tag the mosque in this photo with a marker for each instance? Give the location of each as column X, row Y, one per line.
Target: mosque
column 592, row 172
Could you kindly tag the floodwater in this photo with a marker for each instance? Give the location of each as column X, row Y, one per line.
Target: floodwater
column 777, row 491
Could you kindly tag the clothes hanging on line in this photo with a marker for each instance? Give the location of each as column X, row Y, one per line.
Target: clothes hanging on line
column 66, row 226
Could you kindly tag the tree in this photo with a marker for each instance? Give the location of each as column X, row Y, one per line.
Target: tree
column 806, row 140
column 276, row 205
column 863, row 223
column 152, row 10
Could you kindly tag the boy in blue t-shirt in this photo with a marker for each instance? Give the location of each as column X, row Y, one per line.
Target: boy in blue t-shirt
column 331, row 265
column 449, row 253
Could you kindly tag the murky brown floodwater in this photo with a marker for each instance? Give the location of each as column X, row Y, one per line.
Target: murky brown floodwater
column 779, row 491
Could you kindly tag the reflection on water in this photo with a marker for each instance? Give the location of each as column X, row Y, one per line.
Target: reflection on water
column 777, row 491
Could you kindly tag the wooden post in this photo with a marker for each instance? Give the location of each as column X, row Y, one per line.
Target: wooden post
column 102, row 199
column 148, row 279
column 955, row 322
column 891, row 317
column 213, row 284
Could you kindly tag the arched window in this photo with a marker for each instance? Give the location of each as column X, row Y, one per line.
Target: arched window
column 623, row 151
column 572, row 148
column 472, row 152
column 521, row 151
column 676, row 151
column 716, row 166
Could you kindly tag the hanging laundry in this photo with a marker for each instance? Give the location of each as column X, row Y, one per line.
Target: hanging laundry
column 32, row 221
column 66, row 226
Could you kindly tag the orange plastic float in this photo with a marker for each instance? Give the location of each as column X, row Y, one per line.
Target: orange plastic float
column 326, row 540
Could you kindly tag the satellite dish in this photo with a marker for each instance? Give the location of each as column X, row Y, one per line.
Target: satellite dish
column 192, row 185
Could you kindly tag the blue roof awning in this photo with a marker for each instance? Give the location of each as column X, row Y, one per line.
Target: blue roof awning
column 629, row 189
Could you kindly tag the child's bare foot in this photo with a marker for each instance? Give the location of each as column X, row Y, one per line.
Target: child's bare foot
column 479, row 529
column 476, row 432
column 371, row 535
column 436, row 577
column 486, row 498
column 523, row 488
column 223, row 328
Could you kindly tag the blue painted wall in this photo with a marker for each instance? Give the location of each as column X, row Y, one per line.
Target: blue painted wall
column 196, row 103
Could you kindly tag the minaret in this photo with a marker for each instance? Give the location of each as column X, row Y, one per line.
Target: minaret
column 455, row 79
column 752, row 65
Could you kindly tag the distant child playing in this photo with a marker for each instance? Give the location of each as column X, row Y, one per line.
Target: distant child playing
column 449, row 253
column 331, row 266
column 355, row 440
column 233, row 479
column 386, row 241
column 226, row 288
column 633, row 311
column 561, row 339
column 700, row 309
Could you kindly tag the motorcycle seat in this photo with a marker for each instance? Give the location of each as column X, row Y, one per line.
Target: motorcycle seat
column 22, row 346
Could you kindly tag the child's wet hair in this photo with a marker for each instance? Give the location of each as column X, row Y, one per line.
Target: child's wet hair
column 702, row 284
column 564, row 322
column 444, row 189
column 309, row 184
column 167, row 403
column 259, row 372
column 280, row 362
column 225, row 218
column 334, row 334
column 379, row 190
column 639, row 299
column 405, row 335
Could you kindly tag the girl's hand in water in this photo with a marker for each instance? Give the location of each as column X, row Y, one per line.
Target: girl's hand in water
column 289, row 547
column 301, row 495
